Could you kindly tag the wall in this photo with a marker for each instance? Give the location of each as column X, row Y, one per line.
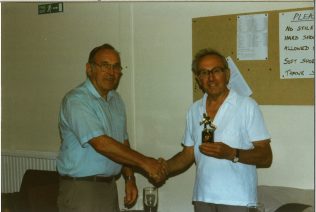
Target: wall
column 43, row 56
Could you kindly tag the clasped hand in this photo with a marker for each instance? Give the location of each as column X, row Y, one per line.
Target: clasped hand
column 157, row 171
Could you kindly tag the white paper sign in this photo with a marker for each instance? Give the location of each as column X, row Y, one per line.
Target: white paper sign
column 252, row 37
column 237, row 81
column 296, row 37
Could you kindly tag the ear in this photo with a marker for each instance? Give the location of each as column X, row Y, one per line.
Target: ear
column 198, row 81
column 88, row 69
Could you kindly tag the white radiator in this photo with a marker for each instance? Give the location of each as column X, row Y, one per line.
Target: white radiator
column 15, row 163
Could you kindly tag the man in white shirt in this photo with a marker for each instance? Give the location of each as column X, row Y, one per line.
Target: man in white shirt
column 226, row 178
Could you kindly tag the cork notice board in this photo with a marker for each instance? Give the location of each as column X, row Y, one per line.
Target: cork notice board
column 262, row 76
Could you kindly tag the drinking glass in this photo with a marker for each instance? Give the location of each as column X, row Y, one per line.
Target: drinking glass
column 150, row 199
column 255, row 207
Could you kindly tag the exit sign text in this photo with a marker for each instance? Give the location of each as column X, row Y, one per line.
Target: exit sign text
column 50, row 8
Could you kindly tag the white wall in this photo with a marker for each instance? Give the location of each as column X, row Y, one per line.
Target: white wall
column 44, row 56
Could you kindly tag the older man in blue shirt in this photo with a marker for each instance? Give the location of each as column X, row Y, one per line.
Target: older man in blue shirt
column 95, row 147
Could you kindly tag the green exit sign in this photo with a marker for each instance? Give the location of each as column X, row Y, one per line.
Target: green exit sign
column 50, row 8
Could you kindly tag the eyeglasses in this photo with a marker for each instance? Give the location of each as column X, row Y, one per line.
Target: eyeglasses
column 105, row 67
column 215, row 72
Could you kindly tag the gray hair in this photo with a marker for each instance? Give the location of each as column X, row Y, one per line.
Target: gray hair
column 204, row 52
column 97, row 49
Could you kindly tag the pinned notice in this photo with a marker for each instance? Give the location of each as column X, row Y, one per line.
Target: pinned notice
column 252, row 37
column 296, row 36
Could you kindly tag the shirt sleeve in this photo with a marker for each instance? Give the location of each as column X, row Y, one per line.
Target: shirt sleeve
column 255, row 124
column 188, row 139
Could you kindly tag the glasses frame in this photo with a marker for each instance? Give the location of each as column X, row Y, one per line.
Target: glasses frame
column 106, row 67
column 203, row 73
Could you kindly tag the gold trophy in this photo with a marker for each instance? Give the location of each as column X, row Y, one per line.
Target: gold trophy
column 209, row 129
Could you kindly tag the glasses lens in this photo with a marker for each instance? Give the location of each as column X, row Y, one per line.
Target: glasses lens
column 203, row 73
column 107, row 67
column 214, row 71
column 217, row 70
column 117, row 67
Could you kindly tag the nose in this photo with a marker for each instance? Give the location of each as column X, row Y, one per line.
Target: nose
column 210, row 75
column 110, row 70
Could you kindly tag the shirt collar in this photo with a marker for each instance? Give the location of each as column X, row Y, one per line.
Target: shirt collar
column 88, row 84
column 230, row 99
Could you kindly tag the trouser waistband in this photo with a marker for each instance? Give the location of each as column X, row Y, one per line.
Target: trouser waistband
column 89, row 178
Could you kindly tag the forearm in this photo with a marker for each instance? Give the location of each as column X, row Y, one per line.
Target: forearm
column 127, row 171
column 260, row 155
column 181, row 161
column 118, row 152
column 131, row 190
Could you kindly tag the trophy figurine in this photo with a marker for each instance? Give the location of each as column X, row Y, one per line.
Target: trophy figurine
column 207, row 133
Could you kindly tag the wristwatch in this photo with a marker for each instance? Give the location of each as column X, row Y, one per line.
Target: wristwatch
column 129, row 177
column 236, row 157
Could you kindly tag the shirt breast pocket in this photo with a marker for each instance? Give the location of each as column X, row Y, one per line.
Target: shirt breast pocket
column 231, row 137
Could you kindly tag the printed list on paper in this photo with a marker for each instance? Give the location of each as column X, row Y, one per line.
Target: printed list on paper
column 252, row 37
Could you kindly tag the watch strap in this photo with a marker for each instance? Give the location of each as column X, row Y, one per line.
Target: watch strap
column 236, row 158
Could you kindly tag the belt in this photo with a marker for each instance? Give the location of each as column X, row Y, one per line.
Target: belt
column 89, row 178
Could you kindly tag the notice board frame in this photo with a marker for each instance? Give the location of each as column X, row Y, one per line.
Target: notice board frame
column 263, row 76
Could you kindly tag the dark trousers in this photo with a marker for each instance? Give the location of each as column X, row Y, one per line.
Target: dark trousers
column 83, row 196
column 210, row 207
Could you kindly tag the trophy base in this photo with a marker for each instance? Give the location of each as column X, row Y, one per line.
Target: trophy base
column 207, row 136
column 150, row 209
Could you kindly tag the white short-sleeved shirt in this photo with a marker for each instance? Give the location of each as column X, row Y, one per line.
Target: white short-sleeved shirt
column 238, row 122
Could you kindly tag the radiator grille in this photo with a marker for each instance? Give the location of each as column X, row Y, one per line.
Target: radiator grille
column 15, row 163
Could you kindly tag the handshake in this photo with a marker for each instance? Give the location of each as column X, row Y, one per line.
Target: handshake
column 157, row 170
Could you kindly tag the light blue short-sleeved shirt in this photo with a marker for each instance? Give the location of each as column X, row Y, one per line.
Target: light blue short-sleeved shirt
column 239, row 122
column 84, row 114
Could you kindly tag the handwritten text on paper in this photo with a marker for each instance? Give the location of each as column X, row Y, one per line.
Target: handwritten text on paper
column 296, row 38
